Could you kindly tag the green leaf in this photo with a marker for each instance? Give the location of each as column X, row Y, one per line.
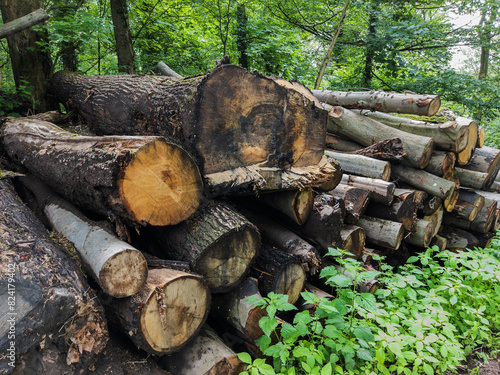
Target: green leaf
column 266, row 369
column 364, row 333
column 364, row 354
column 428, row 369
column 268, row 324
column 327, row 369
column 412, row 259
column 366, row 301
column 341, row 281
column 245, row 357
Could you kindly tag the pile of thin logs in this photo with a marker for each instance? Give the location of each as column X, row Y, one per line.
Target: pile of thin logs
column 193, row 194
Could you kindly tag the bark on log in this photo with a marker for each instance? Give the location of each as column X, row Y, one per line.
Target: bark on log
column 218, row 242
column 485, row 218
column 167, row 71
column 206, row 355
column 169, row 310
column 436, row 218
column 140, row 179
column 380, row 191
column 419, row 196
column 468, row 204
column 486, row 160
column 362, row 165
column 227, row 119
column 279, row 272
column 422, row 105
column 119, row 268
column 380, row 232
column 458, row 239
column 472, row 179
column 440, row 242
column 464, row 156
column 423, row 235
column 42, row 288
column 353, row 240
column 255, row 178
column 367, row 131
column 388, row 149
column 337, row 143
column 23, row 23
column 355, row 199
column 295, row 204
column 284, row 239
column 233, row 308
column 439, row 187
column 431, row 204
column 449, row 136
column 441, row 162
column 402, row 210
column 481, row 136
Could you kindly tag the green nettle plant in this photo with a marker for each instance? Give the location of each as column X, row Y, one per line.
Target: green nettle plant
column 428, row 316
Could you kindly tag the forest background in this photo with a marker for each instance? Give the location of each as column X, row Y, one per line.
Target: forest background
column 389, row 45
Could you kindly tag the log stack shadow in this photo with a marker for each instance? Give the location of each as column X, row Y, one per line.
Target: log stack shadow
column 196, row 193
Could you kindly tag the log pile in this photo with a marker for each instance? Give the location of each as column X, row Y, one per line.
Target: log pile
column 194, row 193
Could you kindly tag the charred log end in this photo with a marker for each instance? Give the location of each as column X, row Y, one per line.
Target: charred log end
column 161, row 185
column 228, row 259
column 124, row 274
column 423, row 160
column 175, row 312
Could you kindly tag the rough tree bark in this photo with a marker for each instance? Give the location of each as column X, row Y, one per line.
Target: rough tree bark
column 123, row 37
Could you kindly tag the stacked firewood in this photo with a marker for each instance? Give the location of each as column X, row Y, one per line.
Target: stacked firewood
column 192, row 194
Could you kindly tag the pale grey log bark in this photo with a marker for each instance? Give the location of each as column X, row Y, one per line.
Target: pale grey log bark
column 362, row 165
column 380, row 232
column 368, row 131
column 448, row 136
column 473, row 179
column 423, row 236
column 22, row 23
column 423, row 105
column 441, row 162
column 167, row 71
column 487, row 160
column 381, row 191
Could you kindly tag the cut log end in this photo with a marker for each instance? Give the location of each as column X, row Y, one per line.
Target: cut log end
column 423, row 160
column 175, row 312
column 225, row 262
column 434, row 106
column 161, row 185
column 451, row 200
column 291, row 282
column 124, row 274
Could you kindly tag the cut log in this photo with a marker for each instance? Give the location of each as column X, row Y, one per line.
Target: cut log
column 464, row 156
column 440, row 242
column 169, row 310
column 422, row 105
column 436, row 186
column 23, row 23
column 42, row 289
column 472, row 179
column 226, row 119
column 481, row 136
column 295, row 204
column 431, row 204
column 155, row 262
column 319, row 293
column 458, row 239
column 218, row 242
column 423, row 236
column 353, row 240
column 233, row 308
column 167, row 71
column 334, row 178
column 489, row 195
column 495, row 187
column 362, row 165
column 485, row 218
column 367, row 131
column 286, row 240
column 441, row 162
column 419, row 196
column 255, row 178
column 468, row 204
column 119, row 268
column 140, row 179
column 388, row 149
column 355, row 201
column 279, row 272
column 449, row 136
column 206, row 355
column 380, row 232
column 403, row 210
column 337, row 143
column 436, row 218
column 380, row 191
column 486, row 160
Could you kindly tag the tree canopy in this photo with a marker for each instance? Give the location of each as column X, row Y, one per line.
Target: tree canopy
column 391, row 45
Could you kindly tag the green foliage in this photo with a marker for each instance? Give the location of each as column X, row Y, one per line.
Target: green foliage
column 430, row 314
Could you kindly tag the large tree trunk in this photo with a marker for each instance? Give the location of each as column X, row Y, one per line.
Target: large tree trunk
column 140, row 179
column 42, row 288
column 119, row 268
column 227, row 119
column 217, row 241
column 123, row 37
column 422, row 105
column 169, row 310
column 31, row 63
column 368, row 131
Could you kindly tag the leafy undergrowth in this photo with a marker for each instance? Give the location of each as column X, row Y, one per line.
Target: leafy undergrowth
column 429, row 316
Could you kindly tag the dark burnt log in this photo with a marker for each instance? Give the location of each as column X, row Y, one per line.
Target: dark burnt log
column 140, row 179
column 458, row 239
column 43, row 292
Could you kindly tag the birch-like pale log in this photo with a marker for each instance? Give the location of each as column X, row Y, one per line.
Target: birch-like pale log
column 367, row 131
column 439, row 187
column 381, row 191
column 448, row 136
column 119, row 268
column 362, row 165
column 410, row 103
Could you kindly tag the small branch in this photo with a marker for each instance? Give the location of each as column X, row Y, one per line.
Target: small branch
column 23, row 23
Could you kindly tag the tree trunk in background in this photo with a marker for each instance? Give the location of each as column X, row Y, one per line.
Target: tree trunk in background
column 123, row 37
column 486, row 41
column 68, row 46
column 31, row 63
column 241, row 35
column 370, row 50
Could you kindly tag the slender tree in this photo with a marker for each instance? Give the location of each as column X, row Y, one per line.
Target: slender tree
column 241, row 34
column 123, row 37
